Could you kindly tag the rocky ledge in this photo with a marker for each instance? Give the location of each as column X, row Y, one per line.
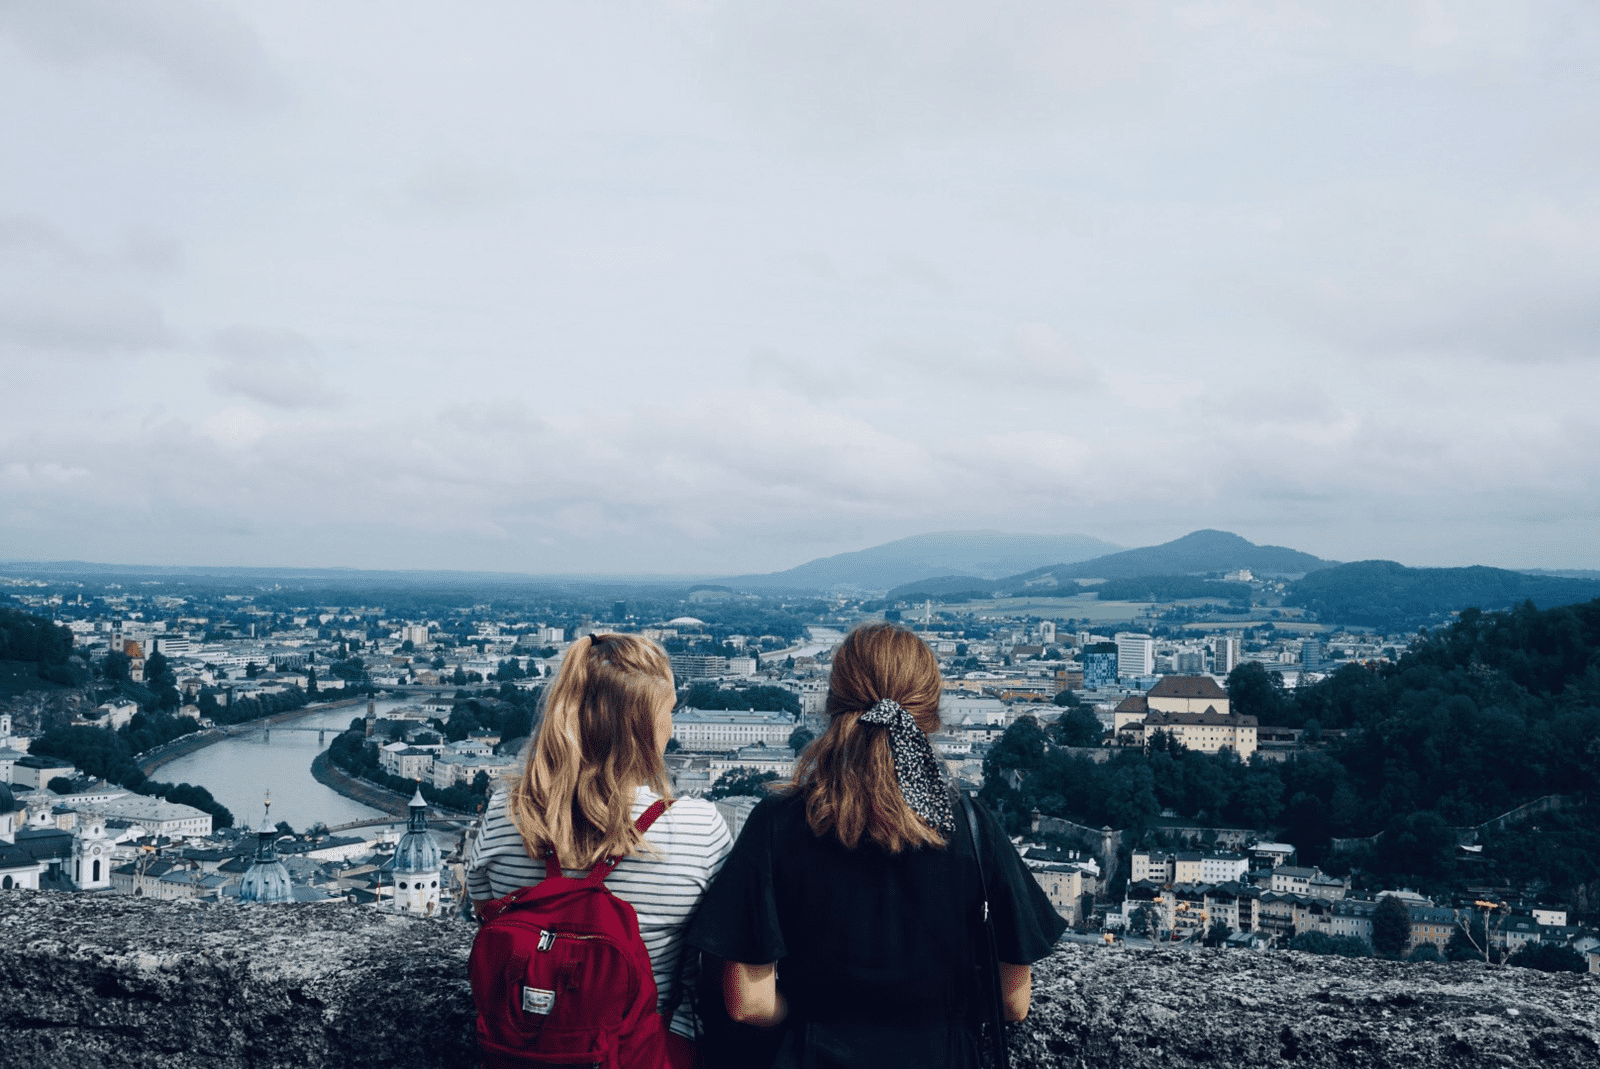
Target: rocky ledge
column 102, row 981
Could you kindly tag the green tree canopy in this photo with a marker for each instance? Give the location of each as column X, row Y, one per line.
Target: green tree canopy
column 1391, row 927
column 736, row 782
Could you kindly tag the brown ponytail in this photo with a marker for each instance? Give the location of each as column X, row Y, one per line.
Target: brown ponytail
column 847, row 774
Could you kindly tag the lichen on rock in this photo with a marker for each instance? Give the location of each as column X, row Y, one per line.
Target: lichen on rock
column 106, row 982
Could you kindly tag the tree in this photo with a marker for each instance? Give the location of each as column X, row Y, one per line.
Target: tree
column 1067, row 698
column 736, row 782
column 800, row 738
column 1217, row 934
column 115, row 666
column 284, row 828
column 1132, row 802
column 1022, row 745
column 462, row 723
column 1548, row 957
column 1391, row 927
column 311, row 681
column 1425, row 952
column 1077, row 727
column 60, row 784
column 1254, row 691
column 251, row 670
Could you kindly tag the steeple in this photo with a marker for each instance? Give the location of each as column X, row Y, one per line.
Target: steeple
column 266, row 881
column 416, row 863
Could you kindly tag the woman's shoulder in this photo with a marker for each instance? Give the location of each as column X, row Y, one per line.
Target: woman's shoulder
column 692, row 813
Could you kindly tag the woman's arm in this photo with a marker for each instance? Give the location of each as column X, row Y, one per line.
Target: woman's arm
column 750, row 992
column 1016, row 990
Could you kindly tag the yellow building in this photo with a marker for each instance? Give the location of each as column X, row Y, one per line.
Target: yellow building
column 1207, row 732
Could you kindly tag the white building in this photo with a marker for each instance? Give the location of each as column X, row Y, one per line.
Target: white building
column 8, row 759
column 955, row 708
column 91, row 856
column 403, row 759
column 159, row 816
column 726, row 729
column 416, row 864
column 116, row 713
column 1136, row 654
column 1224, row 655
column 757, row 757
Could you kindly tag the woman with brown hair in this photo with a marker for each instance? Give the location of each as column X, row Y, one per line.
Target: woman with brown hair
column 592, row 768
column 849, row 909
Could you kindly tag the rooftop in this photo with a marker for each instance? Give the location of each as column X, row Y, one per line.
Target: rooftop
column 1201, row 687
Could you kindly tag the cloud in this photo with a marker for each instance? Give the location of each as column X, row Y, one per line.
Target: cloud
column 1033, row 356
column 58, row 299
column 202, row 48
column 279, row 368
column 452, row 188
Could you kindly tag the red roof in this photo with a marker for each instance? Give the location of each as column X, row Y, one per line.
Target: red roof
column 1203, row 687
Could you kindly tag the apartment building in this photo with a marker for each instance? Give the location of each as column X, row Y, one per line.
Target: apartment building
column 1136, row 654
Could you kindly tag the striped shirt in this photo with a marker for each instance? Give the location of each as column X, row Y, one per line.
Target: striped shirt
column 663, row 888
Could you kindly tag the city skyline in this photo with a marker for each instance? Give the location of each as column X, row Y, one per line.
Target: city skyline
column 714, row 288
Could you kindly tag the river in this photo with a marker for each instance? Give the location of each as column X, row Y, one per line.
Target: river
column 241, row 769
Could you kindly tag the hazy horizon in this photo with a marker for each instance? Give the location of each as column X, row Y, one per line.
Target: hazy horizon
column 706, row 288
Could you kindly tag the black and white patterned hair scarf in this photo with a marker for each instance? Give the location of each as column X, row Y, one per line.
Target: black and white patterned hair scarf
column 923, row 781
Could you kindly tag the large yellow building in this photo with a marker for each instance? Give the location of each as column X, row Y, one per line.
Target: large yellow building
column 1193, row 710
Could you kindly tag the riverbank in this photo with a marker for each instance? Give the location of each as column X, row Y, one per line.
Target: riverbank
column 184, row 745
column 338, row 780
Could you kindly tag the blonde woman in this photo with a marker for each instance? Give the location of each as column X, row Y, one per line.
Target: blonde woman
column 850, row 910
column 593, row 766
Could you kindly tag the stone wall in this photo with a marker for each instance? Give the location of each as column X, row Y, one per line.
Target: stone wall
column 96, row 981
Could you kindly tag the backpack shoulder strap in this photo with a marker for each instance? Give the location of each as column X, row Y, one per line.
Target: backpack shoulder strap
column 647, row 818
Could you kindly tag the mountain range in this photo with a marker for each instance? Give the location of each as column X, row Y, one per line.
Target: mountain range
column 1198, row 553
column 980, row 555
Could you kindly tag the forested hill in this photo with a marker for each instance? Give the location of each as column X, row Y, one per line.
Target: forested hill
column 1196, row 553
column 1390, row 596
column 1496, row 710
column 35, row 653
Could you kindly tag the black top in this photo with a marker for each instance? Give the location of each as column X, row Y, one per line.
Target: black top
column 863, row 936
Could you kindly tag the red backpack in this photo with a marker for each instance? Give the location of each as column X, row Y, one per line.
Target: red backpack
column 561, row 976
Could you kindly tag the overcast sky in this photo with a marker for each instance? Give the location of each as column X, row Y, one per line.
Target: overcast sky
column 726, row 285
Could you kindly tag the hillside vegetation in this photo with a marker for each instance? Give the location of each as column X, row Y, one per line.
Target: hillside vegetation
column 1390, row 596
column 36, row 654
column 1496, row 710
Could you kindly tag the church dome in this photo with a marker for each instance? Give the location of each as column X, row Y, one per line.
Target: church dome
column 266, row 881
column 416, row 851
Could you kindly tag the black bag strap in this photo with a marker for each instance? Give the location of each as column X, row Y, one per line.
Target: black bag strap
column 995, row 1010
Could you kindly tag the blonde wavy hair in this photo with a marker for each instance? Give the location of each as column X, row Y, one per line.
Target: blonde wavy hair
column 595, row 745
column 847, row 773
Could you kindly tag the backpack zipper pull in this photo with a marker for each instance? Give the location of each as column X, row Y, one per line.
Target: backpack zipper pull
column 547, row 939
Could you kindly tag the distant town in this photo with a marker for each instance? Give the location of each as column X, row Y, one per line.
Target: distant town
column 440, row 689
